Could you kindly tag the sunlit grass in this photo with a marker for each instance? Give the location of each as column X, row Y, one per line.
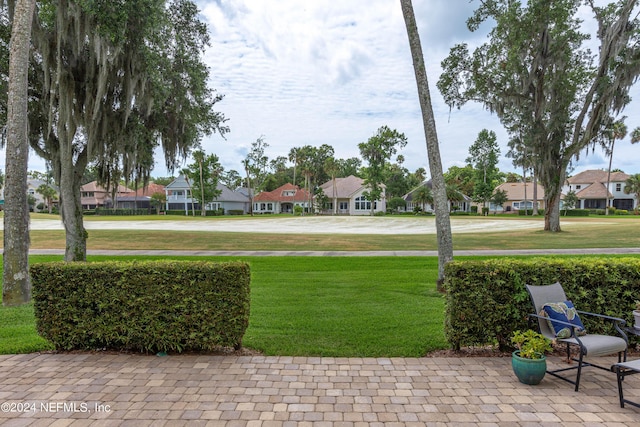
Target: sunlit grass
column 331, row 306
column 596, row 232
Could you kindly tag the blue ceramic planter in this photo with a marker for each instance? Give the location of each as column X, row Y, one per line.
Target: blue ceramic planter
column 528, row 371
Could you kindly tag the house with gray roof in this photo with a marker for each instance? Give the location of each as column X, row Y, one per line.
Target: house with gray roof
column 346, row 197
column 179, row 197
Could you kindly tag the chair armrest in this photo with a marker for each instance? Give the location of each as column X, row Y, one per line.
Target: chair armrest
column 560, row 322
column 604, row 316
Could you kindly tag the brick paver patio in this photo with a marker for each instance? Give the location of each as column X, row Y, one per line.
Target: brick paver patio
column 136, row 390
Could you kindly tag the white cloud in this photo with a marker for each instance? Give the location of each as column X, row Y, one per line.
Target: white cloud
column 332, row 72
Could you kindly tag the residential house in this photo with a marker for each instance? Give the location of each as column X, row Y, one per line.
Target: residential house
column 178, row 194
column 347, row 197
column 519, row 197
column 230, row 200
column 94, row 196
column 282, row 200
column 460, row 204
column 591, row 189
column 141, row 198
column 40, row 204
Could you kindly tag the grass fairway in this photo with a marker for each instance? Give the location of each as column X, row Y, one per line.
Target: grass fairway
column 330, row 306
column 345, row 306
column 313, row 306
column 591, row 232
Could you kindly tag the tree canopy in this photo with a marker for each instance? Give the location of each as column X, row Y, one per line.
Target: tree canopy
column 537, row 73
column 377, row 151
column 204, row 175
column 111, row 82
column 483, row 156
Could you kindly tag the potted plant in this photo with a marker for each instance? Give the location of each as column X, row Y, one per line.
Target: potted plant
column 528, row 360
column 636, row 315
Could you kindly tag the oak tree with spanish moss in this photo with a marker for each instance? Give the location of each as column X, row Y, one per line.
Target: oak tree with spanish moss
column 116, row 79
column 537, row 72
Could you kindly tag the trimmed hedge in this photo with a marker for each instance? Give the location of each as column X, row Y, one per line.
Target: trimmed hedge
column 147, row 306
column 574, row 212
column 486, row 300
column 529, row 212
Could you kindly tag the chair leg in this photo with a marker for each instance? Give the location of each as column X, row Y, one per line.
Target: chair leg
column 620, row 395
column 579, row 371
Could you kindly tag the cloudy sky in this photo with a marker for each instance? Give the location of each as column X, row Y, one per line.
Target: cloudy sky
column 300, row 72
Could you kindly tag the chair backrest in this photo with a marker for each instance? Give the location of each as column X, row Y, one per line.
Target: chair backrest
column 540, row 295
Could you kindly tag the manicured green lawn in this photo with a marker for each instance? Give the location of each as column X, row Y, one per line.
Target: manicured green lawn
column 591, row 232
column 332, row 306
column 329, row 306
column 18, row 331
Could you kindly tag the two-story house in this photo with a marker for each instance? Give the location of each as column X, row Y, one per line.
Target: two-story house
column 178, row 194
column 591, row 189
column 93, row 195
column 40, row 203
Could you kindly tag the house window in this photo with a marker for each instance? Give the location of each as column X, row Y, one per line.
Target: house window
column 263, row 206
column 269, row 206
column 362, row 204
column 521, row 205
column 618, row 187
column 578, row 187
column 344, row 206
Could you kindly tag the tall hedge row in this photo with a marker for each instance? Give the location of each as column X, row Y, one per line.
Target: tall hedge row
column 147, row 306
column 487, row 300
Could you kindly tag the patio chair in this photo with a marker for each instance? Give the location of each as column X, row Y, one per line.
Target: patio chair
column 591, row 345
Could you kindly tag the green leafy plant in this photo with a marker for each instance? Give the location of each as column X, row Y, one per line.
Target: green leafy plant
column 532, row 345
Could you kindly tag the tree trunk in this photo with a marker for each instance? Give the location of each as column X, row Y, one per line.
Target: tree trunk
column 606, row 205
column 70, row 203
column 524, row 180
column 16, row 286
column 534, row 205
column 552, row 212
column 203, row 210
column 552, row 192
column 443, row 223
column 335, row 198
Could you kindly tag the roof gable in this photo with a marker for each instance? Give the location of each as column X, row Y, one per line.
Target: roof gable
column 597, row 175
column 516, row 190
column 279, row 194
column 345, row 187
column 597, row 190
column 151, row 188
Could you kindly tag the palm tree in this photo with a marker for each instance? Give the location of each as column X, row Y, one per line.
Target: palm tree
column 617, row 130
column 423, row 196
column 454, row 194
column 332, row 168
column 632, row 186
column 443, row 222
column 16, row 285
column 48, row 193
